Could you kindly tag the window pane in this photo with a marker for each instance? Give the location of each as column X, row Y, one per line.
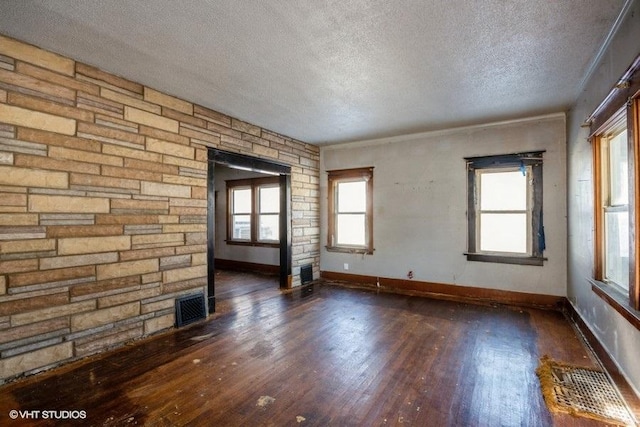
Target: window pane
column 269, row 199
column 350, row 229
column 617, row 248
column 352, row 196
column 241, row 227
column 503, row 233
column 500, row 191
column 269, row 227
column 618, row 156
column 242, row 200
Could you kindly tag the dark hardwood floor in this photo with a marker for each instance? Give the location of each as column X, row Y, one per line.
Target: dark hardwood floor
column 319, row 356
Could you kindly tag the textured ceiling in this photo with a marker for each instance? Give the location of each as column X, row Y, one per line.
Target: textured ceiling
column 326, row 71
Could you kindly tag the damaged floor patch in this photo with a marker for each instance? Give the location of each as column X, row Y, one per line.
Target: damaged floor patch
column 265, row 401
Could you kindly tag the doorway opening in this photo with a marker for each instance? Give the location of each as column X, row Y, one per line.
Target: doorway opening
column 224, row 159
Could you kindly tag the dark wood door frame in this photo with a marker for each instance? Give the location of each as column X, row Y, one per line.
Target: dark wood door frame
column 234, row 160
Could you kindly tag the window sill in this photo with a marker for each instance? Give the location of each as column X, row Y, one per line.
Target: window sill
column 506, row 259
column 348, row 250
column 257, row 244
column 617, row 300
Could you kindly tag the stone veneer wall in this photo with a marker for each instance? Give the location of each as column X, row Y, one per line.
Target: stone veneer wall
column 103, row 205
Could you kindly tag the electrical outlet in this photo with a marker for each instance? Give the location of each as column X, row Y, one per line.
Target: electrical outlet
column 346, row 266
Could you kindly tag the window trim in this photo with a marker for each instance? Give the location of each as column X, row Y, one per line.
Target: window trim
column 531, row 159
column 346, row 175
column 623, row 100
column 254, row 184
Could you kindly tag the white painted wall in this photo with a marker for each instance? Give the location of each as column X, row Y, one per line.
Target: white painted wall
column 420, row 204
column 258, row 255
column 621, row 340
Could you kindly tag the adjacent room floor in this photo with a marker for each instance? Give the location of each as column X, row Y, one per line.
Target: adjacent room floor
column 319, row 356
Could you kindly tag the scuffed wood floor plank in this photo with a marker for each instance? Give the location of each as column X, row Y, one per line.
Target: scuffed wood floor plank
column 318, row 356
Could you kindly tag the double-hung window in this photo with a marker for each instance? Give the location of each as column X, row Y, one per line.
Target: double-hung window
column 614, row 201
column 505, row 209
column 253, row 211
column 615, row 135
column 351, row 210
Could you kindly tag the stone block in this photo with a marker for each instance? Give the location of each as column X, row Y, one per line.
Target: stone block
column 140, row 205
column 126, row 219
column 18, row 266
column 128, row 173
column 211, row 115
column 193, row 164
column 51, row 138
column 184, row 228
column 161, row 189
column 111, row 79
column 33, row 303
column 146, row 253
column 184, row 118
column 153, row 120
column 170, row 148
column 150, row 166
column 18, row 219
column 158, row 305
column 176, row 261
column 108, row 134
column 128, row 268
column 55, row 78
column 36, row 359
column 124, row 334
column 25, row 177
column 34, row 55
column 134, row 153
column 160, row 98
column 126, row 297
column 13, row 199
column 205, row 137
column 42, row 277
column 156, row 324
column 199, row 258
column 129, row 100
column 68, row 204
column 104, row 287
column 162, row 134
column 33, row 330
column 3, row 285
column 40, row 162
column 184, row 180
column 103, row 181
column 87, row 245
column 85, row 156
column 34, row 119
column 104, row 316
column 182, row 274
column 32, row 245
column 43, row 105
column 78, row 260
column 57, row 231
column 245, row 127
column 53, row 312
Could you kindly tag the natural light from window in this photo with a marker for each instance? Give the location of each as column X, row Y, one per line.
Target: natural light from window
column 503, row 215
column 351, row 213
column 616, row 213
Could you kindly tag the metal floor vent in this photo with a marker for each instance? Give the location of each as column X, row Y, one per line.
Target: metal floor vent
column 189, row 309
column 589, row 391
column 306, row 274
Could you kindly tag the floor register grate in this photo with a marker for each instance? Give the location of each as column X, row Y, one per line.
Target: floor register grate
column 190, row 309
column 582, row 392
